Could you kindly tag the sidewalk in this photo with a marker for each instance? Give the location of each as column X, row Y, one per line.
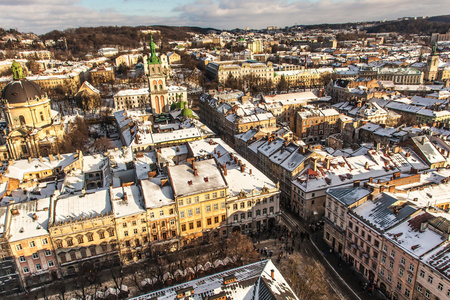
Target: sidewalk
column 351, row 276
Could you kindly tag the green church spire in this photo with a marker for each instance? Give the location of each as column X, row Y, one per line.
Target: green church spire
column 153, row 59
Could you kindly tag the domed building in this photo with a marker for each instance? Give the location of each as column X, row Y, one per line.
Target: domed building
column 33, row 126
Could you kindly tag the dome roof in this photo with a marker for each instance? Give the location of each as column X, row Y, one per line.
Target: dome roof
column 19, row 91
column 187, row 112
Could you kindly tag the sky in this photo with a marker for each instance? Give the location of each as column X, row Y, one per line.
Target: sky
column 41, row 16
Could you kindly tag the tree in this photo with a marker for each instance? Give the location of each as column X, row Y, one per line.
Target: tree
column 283, row 84
column 32, row 66
column 76, row 138
column 241, row 249
column 102, row 144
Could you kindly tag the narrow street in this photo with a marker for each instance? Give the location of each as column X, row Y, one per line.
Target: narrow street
column 341, row 277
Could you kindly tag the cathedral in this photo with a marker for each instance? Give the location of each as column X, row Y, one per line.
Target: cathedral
column 33, row 128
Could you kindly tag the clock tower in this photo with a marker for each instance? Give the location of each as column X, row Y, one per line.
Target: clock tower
column 156, row 82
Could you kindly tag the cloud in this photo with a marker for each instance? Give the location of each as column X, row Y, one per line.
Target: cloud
column 261, row 13
column 42, row 16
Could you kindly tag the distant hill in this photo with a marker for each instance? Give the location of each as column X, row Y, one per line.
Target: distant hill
column 439, row 24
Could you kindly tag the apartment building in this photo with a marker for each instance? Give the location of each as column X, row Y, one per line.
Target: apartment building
column 314, row 124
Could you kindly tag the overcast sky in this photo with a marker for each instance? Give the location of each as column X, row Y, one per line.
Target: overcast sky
column 41, row 16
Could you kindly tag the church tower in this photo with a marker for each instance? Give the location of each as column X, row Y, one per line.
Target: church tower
column 431, row 70
column 157, row 82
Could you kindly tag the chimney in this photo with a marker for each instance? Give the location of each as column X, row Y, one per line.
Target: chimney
column 243, row 168
column 377, row 146
column 195, row 172
column 272, row 274
column 391, row 188
column 50, row 157
column 250, row 171
column 408, row 154
column 327, row 163
column 125, row 197
column 225, row 172
column 193, row 165
column 366, row 166
column 370, row 179
column 231, row 156
column 215, row 151
column 59, row 156
column 314, row 161
column 29, row 160
column 239, row 162
column 40, row 159
column 397, row 174
column 423, row 140
column 206, row 179
column 218, row 153
column 356, row 183
column 35, row 217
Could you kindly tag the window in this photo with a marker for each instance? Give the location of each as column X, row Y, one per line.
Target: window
column 208, row 208
column 47, row 252
column 189, row 212
column 35, row 256
column 440, row 286
column 242, row 205
column 409, row 280
column 180, row 202
column 25, row 270
column 152, row 215
column 199, row 224
column 235, row 206
column 222, row 205
column 206, row 196
column 419, row 288
column 401, row 272
column 399, row 285
column 161, row 213
column 242, row 216
column 197, row 210
column 111, row 232
column 391, row 264
column 50, row 263
column 90, row 237
column 411, row 267
column 235, row 218
column 124, row 224
column 389, row 278
column 222, row 193
column 216, row 206
column 208, row 221
column 407, row 293
column 135, row 231
column 385, row 248
column 22, row 258
column 44, row 241
column 403, row 261
column 392, row 253
column 265, row 201
column 422, row 273
column 430, row 279
column 183, row 227
column 258, row 212
column 271, row 210
column 249, row 203
column 191, row 225
column 196, row 199
column 223, row 218
column 427, row 293
column 58, row 244
column 249, row 214
column 38, row 267
column 382, row 272
column 214, row 195
column 216, row 219
column 133, row 223
column 69, row 242
column 19, row 247
column 80, row 240
column 350, row 225
column 125, row 233
column 377, row 244
column 182, row 214
column 101, row 235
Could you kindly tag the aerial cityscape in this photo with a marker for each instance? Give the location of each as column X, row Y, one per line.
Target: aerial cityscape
column 218, row 150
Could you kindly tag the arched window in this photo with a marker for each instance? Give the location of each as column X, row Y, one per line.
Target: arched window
column 158, row 110
column 22, row 120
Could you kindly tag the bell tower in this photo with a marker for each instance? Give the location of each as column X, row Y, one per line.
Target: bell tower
column 432, row 67
column 156, row 82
